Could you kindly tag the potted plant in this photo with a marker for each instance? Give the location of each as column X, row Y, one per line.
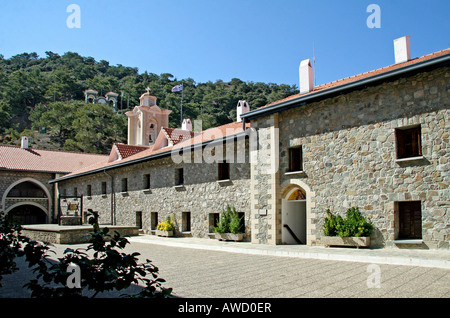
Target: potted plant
column 229, row 227
column 353, row 230
column 165, row 228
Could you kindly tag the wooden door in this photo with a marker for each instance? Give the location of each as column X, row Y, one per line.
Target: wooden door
column 410, row 218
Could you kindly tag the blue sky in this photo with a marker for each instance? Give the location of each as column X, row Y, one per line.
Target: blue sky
column 208, row 40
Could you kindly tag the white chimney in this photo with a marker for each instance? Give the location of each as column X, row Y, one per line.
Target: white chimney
column 24, row 143
column 187, row 124
column 402, row 49
column 242, row 108
column 306, row 76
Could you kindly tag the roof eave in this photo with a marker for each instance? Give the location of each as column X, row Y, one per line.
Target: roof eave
column 149, row 157
column 325, row 93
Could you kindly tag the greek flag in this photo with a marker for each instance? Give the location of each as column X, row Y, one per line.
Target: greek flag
column 177, row 88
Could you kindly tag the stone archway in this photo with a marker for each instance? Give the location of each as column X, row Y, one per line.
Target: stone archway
column 28, row 192
column 297, row 199
column 27, row 213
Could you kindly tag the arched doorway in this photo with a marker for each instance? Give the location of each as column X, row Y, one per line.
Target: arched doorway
column 293, row 215
column 299, row 208
column 28, row 201
column 27, row 214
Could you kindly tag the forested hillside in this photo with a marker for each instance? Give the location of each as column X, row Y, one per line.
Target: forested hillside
column 43, row 97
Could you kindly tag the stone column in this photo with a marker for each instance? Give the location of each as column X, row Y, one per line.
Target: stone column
column 265, row 201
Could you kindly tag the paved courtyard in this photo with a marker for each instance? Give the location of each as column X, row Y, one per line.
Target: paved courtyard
column 200, row 273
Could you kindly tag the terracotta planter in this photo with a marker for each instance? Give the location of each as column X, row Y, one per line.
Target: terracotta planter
column 229, row 236
column 345, row 241
column 164, row 233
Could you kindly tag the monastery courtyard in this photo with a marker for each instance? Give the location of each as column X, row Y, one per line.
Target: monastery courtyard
column 199, row 268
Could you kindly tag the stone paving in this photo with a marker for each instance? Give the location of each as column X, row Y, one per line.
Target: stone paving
column 211, row 269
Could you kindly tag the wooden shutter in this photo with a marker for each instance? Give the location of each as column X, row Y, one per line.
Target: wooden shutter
column 410, row 217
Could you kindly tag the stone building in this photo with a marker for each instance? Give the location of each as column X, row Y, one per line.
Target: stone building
column 378, row 141
column 143, row 183
column 91, row 96
column 25, row 172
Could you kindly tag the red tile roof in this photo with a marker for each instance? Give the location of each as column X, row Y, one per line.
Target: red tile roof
column 17, row 158
column 176, row 135
column 233, row 128
column 364, row 75
column 204, row 136
column 128, row 150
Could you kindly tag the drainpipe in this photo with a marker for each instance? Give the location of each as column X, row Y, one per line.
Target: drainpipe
column 112, row 198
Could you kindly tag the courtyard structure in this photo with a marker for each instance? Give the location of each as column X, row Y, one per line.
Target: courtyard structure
column 378, row 141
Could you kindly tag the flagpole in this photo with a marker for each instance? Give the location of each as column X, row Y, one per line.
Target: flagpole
column 182, row 89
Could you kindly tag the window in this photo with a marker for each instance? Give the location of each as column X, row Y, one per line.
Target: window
column 186, row 221
column 224, row 170
column 146, row 182
column 124, row 185
column 408, row 142
column 139, row 220
column 409, row 220
column 153, row 220
column 103, row 188
column 213, row 220
column 89, row 190
column 179, row 176
column 295, row 159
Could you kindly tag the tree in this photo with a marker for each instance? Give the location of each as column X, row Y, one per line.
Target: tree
column 58, row 118
column 30, row 85
column 97, row 126
column 109, row 269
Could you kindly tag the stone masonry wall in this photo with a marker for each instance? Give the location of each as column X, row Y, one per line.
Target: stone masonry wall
column 201, row 194
column 349, row 156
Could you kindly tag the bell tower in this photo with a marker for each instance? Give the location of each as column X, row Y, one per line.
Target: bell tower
column 146, row 120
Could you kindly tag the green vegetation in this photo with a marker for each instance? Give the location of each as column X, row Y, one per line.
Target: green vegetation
column 48, row 94
column 108, row 269
column 229, row 222
column 354, row 225
column 166, row 225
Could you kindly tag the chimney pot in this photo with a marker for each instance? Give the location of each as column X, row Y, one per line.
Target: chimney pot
column 402, row 49
column 187, row 124
column 306, row 76
column 242, row 108
column 24, row 143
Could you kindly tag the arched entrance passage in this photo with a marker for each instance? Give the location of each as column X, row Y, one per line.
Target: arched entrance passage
column 27, row 199
column 27, row 214
column 295, row 211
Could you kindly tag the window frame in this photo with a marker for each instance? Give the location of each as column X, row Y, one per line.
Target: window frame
column 124, row 185
column 146, row 181
column 223, row 171
column 408, row 141
column 292, row 157
column 409, row 212
column 186, row 221
column 179, row 177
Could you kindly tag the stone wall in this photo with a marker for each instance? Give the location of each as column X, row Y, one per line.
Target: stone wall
column 201, row 194
column 349, row 158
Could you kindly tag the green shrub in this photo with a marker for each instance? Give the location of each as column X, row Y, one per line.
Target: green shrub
column 110, row 268
column 229, row 222
column 353, row 225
